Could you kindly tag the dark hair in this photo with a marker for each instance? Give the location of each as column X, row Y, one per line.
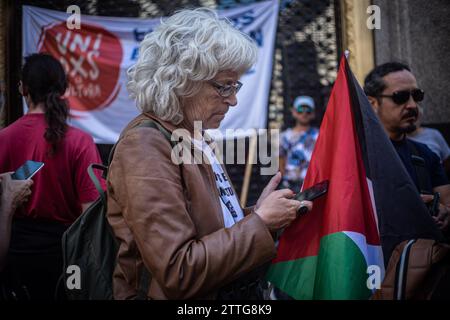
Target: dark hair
column 374, row 84
column 45, row 81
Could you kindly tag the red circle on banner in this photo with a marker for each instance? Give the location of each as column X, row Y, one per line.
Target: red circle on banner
column 91, row 57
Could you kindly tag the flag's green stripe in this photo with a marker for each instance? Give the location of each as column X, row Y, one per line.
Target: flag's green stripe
column 338, row 272
column 295, row 277
column 341, row 269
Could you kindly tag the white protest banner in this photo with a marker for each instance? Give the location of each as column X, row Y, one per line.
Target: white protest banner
column 97, row 55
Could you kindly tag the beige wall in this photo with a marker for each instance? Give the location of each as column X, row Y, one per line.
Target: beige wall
column 356, row 37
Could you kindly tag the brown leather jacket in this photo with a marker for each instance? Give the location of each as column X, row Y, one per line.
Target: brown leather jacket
column 178, row 234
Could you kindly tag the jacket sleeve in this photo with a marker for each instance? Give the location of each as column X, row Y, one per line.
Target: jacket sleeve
column 150, row 194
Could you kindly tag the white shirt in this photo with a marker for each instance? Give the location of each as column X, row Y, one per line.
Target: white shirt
column 231, row 209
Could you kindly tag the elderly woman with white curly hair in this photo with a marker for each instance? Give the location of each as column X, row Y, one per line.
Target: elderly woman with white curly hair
column 172, row 221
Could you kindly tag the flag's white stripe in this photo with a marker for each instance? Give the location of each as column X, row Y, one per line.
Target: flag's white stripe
column 372, row 200
column 379, row 253
column 372, row 254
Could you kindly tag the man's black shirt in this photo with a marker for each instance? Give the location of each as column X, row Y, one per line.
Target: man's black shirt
column 436, row 174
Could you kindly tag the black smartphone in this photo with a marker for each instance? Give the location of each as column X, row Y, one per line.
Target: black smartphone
column 27, row 170
column 314, row 192
column 310, row 194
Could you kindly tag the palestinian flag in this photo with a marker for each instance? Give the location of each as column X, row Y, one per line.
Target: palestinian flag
column 371, row 205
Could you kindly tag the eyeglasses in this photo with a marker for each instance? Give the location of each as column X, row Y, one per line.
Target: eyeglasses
column 303, row 108
column 226, row 90
column 401, row 97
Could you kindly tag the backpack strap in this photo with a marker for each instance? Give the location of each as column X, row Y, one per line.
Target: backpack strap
column 402, row 272
column 420, row 168
column 95, row 180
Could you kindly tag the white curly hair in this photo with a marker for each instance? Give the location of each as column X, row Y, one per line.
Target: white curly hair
column 186, row 49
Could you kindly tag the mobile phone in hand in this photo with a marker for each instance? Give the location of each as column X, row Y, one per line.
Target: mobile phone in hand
column 314, row 192
column 27, row 170
column 434, row 205
column 311, row 194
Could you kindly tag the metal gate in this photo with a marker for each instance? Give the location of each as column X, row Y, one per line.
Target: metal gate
column 305, row 60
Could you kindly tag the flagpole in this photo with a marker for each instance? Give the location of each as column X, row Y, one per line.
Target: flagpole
column 248, row 169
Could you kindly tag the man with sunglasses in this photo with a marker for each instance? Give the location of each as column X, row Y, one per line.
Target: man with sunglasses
column 297, row 144
column 394, row 95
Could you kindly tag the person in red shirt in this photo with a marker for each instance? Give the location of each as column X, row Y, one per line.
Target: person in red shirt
column 62, row 189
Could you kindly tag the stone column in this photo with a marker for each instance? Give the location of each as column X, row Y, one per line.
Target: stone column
column 357, row 37
column 417, row 32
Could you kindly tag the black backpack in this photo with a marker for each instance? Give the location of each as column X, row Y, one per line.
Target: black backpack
column 90, row 247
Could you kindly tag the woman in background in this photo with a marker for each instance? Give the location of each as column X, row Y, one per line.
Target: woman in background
column 62, row 189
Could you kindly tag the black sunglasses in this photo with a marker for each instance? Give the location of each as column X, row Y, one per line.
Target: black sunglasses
column 228, row 89
column 401, row 97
